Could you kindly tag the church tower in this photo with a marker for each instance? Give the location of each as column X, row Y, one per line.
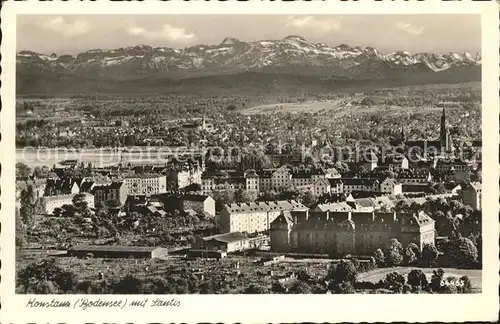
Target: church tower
column 443, row 134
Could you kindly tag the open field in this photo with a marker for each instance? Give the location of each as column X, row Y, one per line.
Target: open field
column 311, row 107
column 337, row 108
column 474, row 275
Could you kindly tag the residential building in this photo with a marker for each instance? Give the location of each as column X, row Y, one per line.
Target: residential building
column 414, row 177
column 394, row 163
column 115, row 191
column 50, row 203
column 332, row 173
column 182, row 177
column 358, row 184
column 230, row 180
column 391, row 186
column 321, row 187
column 227, row 242
column 336, row 186
column 145, row 184
column 281, row 178
column 368, row 160
column 445, row 165
column 343, row 233
column 253, row 217
column 201, row 204
column 64, row 186
column 472, row 195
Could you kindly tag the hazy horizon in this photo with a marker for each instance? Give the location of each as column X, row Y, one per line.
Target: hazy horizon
column 71, row 34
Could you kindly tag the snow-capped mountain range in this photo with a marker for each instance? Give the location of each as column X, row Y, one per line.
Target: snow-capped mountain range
column 233, row 55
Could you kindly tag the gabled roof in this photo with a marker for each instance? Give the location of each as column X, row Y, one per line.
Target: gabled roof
column 265, row 206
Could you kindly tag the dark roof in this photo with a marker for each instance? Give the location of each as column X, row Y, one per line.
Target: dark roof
column 112, row 248
column 86, row 185
column 195, row 197
column 116, row 185
column 357, row 181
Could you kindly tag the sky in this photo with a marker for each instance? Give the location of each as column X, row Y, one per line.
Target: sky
column 71, row 34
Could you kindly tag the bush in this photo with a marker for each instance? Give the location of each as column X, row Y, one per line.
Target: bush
column 417, row 279
column 436, row 280
column 395, row 282
column 300, row 287
column 466, row 287
column 45, row 275
column 255, row 289
column 128, row 285
column 428, row 255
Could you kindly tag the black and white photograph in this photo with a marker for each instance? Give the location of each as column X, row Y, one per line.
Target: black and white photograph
column 248, row 154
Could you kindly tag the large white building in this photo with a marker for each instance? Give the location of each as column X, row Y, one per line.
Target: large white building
column 222, row 181
column 180, row 178
column 253, row 217
column 145, row 184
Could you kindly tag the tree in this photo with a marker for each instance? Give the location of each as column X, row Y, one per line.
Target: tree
column 461, row 251
column 428, row 255
column 23, row 172
column 417, row 279
column 345, row 271
column 394, row 253
column 28, row 205
column 437, row 280
column 254, row 289
column 411, row 252
column 20, row 230
column 303, row 275
column 30, row 277
column 207, row 287
column 128, row 285
column 277, row 288
column 41, row 172
column 242, row 196
column 379, row 257
column 395, row 282
column 79, row 202
column 308, row 198
column 300, row 287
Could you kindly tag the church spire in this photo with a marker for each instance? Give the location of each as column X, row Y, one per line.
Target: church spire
column 443, row 122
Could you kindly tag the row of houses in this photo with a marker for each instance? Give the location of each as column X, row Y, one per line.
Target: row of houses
column 264, row 180
column 317, row 181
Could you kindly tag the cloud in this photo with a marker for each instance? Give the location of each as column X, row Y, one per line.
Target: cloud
column 167, row 32
column 410, row 29
column 66, row 28
column 309, row 22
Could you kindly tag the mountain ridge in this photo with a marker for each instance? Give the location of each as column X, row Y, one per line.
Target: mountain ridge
column 290, row 55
